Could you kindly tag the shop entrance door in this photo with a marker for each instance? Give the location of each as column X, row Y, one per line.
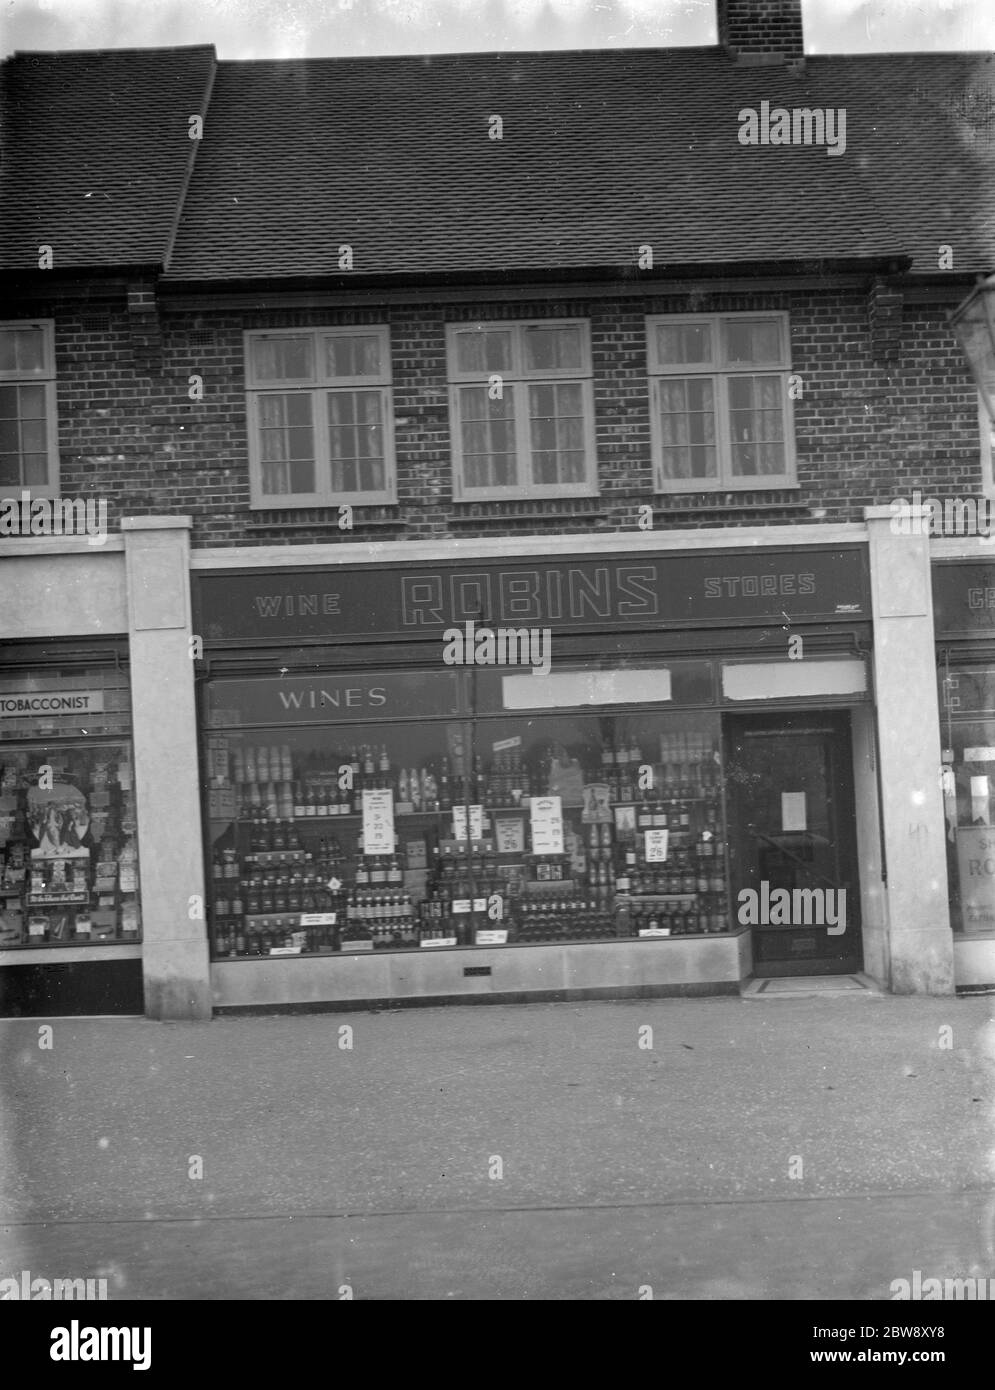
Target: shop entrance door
column 792, row 843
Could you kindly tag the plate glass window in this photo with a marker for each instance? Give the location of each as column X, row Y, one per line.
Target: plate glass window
column 721, row 414
column 522, row 410
column 321, row 417
column 28, row 439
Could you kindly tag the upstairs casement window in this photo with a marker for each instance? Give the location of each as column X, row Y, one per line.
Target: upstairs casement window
column 720, row 408
column 29, row 453
column 320, row 413
column 521, row 410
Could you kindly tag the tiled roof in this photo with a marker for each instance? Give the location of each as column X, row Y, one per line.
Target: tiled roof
column 602, row 152
column 95, row 153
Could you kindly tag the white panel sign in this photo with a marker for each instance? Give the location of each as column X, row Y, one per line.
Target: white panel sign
column 378, row 821
column 656, row 846
column 794, row 814
column 782, row 680
column 476, row 822
column 567, row 689
column 547, row 824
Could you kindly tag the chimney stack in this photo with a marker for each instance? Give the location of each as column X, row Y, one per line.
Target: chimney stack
column 762, row 31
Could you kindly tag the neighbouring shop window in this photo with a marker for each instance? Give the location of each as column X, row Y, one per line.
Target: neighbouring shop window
column 29, row 456
column 320, row 417
column 523, row 829
column 522, row 410
column 721, row 412
column 967, row 779
column 68, row 845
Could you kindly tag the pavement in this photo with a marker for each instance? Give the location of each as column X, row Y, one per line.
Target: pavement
column 799, row 1148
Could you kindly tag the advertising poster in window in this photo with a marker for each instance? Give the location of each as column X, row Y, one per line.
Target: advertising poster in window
column 976, row 866
column 58, row 821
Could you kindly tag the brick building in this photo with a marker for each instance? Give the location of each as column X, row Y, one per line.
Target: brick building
column 639, row 348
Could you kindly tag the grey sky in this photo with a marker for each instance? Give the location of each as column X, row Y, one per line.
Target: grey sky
column 327, row 28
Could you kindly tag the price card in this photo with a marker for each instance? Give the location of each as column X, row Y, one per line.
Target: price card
column 378, row 821
column 547, row 824
column 654, row 931
column 476, row 822
column 656, row 845
column 491, row 936
column 441, row 941
column 510, row 832
column 318, row 919
column 221, row 803
column 284, row 950
column 503, row 744
column 217, row 757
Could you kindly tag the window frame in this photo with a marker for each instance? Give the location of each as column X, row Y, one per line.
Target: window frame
column 986, row 431
column 317, row 388
column 48, row 379
column 719, row 372
column 518, row 378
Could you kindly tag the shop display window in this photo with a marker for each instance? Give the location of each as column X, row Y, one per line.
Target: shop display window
column 505, row 830
column 967, row 779
column 68, row 845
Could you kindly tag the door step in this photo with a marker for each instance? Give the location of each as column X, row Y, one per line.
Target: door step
column 806, row 986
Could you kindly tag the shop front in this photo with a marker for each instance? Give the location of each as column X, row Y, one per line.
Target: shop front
column 521, row 778
column 70, row 903
column 964, row 615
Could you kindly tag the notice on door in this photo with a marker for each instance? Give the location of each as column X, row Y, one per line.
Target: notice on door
column 976, row 870
column 793, row 812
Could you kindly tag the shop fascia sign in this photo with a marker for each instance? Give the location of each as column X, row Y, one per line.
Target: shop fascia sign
column 44, row 704
column 311, row 699
column 964, row 598
column 689, row 590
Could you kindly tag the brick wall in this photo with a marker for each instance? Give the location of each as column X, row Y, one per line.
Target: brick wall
column 866, row 429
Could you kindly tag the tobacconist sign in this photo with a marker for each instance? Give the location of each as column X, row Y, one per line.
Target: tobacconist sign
column 694, row 589
column 44, row 703
column 964, row 598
